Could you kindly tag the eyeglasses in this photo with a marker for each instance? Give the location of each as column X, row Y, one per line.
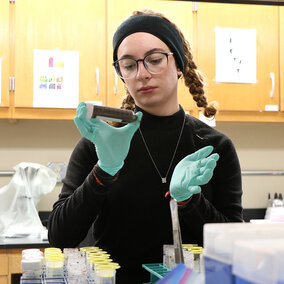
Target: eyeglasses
column 155, row 63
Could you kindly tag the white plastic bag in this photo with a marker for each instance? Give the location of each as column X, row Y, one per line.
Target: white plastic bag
column 18, row 200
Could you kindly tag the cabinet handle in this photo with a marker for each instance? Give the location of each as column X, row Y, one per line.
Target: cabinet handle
column 98, row 80
column 10, row 84
column 115, row 83
column 194, row 6
column 272, row 77
column 13, row 84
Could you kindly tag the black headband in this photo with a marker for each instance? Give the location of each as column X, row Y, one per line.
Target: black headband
column 156, row 26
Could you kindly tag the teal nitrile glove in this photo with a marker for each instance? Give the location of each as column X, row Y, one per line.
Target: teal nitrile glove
column 111, row 143
column 191, row 172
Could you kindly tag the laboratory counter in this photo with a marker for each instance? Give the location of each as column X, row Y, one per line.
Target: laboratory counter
column 22, row 243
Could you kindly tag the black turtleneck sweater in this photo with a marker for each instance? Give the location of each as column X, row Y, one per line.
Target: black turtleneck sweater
column 131, row 217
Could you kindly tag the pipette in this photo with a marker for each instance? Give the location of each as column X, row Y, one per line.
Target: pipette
column 110, row 113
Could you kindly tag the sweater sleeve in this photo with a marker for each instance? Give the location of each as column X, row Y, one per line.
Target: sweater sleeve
column 225, row 193
column 80, row 200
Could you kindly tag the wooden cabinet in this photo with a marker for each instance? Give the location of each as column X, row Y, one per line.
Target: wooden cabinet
column 59, row 25
column 117, row 11
column 15, row 256
column 3, row 280
column 281, row 25
column 178, row 11
column 4, row 58
column 241, row 96
column 88, row 27
column 3, row 267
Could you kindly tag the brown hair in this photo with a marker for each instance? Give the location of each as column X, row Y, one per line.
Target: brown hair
column 193, row 78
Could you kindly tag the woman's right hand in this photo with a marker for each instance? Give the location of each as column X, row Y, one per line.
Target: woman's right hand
column 112, row 143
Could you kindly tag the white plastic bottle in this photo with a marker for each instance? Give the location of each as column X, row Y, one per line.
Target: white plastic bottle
column 32, row 268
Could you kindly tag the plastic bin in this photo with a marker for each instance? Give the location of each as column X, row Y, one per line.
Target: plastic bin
column 219, row 241
column 259, row 261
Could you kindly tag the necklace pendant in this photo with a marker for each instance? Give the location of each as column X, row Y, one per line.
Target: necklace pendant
column 164, row 180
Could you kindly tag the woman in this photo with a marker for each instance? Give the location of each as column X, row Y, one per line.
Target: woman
column 117, row 177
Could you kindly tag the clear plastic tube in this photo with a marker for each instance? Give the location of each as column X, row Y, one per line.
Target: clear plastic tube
column 106, row 273
column 71, row 265
column 54, row 265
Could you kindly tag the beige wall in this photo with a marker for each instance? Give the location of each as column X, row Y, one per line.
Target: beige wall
column 260, row 146
column 36, row 141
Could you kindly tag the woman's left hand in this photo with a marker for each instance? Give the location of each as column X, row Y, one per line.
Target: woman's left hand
column 191, row 172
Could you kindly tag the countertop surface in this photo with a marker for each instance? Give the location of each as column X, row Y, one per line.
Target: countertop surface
column 28, row 242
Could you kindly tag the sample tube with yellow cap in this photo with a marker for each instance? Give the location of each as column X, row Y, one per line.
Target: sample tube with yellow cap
column 95, row 262
column 197, row 255
column 54, row 263
column 86, row 250
column 106, row 273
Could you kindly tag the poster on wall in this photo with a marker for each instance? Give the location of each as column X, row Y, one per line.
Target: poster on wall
column 55, row 78
column 235, row 55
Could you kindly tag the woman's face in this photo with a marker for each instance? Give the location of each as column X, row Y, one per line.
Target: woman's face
column 155, row 93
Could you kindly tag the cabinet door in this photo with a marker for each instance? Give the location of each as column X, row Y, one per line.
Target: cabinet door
column 177, row 11
column 15, row 257
column 262, row 18
column 3, row 280
column 282, row 56
column 4, row 58
column 67, row 25
column 4, row 270
column 3, row 263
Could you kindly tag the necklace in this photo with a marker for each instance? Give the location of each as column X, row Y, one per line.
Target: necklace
column 164, row 179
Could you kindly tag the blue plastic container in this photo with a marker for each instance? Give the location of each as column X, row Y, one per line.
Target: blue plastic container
column 240, row 280
column 217, row 272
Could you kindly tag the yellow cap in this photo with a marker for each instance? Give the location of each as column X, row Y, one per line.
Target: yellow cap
column 91, row 254
column 106, row 270
column 52, row 251
column 95, row 257
column 101, row 261
column 115, row 265
column 89, row 248
column 196, row 250
column 97, row 252
column 187, row 246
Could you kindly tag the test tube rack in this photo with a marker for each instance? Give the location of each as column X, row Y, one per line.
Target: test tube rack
column 157, row 270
